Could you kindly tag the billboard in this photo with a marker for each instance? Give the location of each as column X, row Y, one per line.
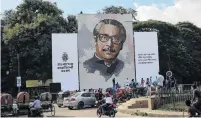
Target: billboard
column 65, row 61
column 105, row 43
column 146, row 55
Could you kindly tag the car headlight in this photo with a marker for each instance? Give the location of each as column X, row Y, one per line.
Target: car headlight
column 96, row 102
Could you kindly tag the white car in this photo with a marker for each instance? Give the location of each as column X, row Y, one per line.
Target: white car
column 80, row 100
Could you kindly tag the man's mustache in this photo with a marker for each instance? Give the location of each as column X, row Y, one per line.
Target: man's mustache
column 109, row 49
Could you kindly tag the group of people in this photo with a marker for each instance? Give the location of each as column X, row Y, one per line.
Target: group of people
column 194, row 106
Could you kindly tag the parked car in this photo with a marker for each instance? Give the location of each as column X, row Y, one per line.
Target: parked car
column 61, row 96
column 80, row 100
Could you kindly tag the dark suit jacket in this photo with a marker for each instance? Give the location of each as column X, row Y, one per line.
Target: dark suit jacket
column 95, row 64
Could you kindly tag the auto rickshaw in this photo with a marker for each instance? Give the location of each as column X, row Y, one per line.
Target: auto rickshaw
column 7, row 105
column 23, row 100
column 61, row 96
column 47, row 103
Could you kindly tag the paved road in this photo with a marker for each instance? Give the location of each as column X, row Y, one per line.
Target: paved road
column 87, row 112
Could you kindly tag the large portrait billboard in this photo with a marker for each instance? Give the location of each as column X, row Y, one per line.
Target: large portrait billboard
column 105, row 43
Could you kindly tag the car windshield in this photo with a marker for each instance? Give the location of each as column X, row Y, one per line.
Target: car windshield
column 74, row 95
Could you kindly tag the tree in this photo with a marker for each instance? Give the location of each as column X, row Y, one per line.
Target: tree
column 172, row 52
column 119, row 10
column 191, row 35
column 72, row 24
column 28, row 33
column 4, row 61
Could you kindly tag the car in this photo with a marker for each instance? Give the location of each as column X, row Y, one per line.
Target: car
column 80, row 100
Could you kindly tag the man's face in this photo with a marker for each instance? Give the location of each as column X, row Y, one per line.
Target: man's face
column 108, row 43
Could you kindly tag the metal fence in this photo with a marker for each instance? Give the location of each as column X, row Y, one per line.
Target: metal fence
column 174, row 98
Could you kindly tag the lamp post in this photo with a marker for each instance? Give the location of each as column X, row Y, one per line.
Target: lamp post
column 18, row 62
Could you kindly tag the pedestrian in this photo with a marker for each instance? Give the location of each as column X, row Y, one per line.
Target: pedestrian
column 133, row 85
column 117, row 85
column 151, row 80
column 160, row 80
column 127, row 83
column 148, row 87
column 142, row 82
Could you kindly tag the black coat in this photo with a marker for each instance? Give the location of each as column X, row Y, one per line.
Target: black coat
column 94, row 64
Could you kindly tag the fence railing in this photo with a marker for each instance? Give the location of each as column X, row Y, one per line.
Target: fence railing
column 174, row 98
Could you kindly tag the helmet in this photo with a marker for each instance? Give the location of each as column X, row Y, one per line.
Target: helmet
column 36, row 97
column 107, row 94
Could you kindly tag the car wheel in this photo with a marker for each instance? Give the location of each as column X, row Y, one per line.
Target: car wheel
column 80, row 105
column 92, row 105
column 70, row 108
column 59, row 106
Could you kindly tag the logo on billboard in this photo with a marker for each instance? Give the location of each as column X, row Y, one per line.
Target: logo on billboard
column 65, row 66
column 65, row 57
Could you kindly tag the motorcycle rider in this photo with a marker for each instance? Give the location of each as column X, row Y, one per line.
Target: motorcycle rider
column 100, row 95
column 36, row 105
column 196, row 97
column 192, row 111
column 108, row 101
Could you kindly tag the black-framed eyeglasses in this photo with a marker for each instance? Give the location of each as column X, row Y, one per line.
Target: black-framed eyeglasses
column 104, row 38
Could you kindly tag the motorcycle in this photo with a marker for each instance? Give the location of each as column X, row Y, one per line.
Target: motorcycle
column 109, row 111
column 99, row 102
column 198, row 110
column 195, row 109
column 36, row 113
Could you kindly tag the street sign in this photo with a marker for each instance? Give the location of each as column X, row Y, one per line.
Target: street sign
column 18, row 81
column 169, row 73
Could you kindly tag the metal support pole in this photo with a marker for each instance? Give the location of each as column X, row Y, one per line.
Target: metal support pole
column 169, row 62
column 18, row 65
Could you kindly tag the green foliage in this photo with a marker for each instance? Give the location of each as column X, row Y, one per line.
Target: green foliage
column 118, row 10
column 191, row 36
column 27, row 31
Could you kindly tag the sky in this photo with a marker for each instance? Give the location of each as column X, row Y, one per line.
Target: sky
column 171, row 11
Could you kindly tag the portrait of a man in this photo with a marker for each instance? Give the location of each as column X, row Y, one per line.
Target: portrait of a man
column 109, row 36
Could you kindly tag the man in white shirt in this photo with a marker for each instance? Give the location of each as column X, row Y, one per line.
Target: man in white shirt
column 127, row 83
column 108, row 101
column 36, row 105
column 159, row 80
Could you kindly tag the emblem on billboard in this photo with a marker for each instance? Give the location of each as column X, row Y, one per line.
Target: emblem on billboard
column 65, row 57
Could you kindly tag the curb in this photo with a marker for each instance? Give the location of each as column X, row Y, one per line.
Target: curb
column 148, row 113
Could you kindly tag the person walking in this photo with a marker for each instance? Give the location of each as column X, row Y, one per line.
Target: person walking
column 148, row 85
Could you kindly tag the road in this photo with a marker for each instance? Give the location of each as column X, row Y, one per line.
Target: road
column 87, row 112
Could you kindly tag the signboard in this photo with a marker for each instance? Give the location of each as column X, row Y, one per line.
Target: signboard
column 146, row 55
column 169, row 73
column 31, row 83
column 18, row 81
column 65, row 61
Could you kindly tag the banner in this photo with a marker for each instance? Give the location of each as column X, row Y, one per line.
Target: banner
column 105, row 43
column 32, row 83
column 146, row 56
column 65, row 61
